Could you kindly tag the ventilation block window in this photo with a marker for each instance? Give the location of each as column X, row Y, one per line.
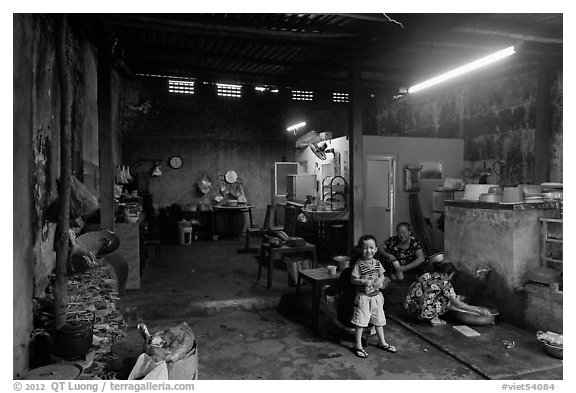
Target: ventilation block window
column 180, row 86
column 225, row 90
column 340, row 97
column 302, row 95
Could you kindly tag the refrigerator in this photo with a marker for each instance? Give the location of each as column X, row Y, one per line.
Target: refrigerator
column 299, row 186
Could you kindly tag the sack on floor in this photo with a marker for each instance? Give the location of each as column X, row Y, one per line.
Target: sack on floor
column 173, row 349
column 146, row 368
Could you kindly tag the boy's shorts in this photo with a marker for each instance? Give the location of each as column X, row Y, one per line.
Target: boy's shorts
column 368, row 309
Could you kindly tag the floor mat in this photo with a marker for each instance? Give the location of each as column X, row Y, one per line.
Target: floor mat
column 501, row 351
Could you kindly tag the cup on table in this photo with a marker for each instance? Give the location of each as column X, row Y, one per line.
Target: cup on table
column 331, row 269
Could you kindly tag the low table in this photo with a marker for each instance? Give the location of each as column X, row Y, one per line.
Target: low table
column 273, row 252
column 318, row 277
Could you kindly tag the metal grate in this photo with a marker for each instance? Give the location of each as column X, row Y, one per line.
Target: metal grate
column 180, row 86
column 302, row 95
column 340, row 97
column 224, row 90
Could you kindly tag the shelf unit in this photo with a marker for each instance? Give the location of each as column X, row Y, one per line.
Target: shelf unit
column 550, row 226
column 438, row 199
column 333, row 187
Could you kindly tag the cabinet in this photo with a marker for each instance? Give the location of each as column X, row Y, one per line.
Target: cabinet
column 551, row 245
column 280, row 186
column 438, row 198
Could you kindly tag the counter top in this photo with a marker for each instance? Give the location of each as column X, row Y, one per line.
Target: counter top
column 502, row 206
column 327, row 215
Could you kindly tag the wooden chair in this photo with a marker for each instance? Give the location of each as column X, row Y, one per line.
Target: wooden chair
column 256, row 231
column 269, row 254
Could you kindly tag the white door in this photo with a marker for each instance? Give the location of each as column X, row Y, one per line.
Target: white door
column 380, row 197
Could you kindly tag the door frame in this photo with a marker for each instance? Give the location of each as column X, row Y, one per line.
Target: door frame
column 393, row 158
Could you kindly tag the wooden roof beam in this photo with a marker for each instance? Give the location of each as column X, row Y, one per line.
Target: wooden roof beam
column 509, row 34
column 188, row 27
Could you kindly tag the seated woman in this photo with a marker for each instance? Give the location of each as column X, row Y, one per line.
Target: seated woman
column 433, row 295
column 403, row 253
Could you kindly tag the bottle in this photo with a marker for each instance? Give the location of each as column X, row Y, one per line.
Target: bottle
column 307, row 202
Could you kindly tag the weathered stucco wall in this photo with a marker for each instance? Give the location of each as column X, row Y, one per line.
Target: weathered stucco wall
column 37, row 158
column 557, row 125
column 493, row 250
column 23, row 210
column 495, row 116
column 213, row 135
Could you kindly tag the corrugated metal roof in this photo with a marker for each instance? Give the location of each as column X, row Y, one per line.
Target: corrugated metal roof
column 306, row 49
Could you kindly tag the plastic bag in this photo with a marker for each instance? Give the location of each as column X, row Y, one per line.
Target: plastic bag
column 83, row 202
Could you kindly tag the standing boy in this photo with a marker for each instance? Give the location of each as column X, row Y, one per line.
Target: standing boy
column 368, row 277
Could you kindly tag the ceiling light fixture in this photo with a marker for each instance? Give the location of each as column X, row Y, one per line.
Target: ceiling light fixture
column 464, row 69
column 295, row 127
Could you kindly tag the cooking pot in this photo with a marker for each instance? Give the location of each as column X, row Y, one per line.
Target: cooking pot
column 471, row 318
column 73, row 339
column 438, row 257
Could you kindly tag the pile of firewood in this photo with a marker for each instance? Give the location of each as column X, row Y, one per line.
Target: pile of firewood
column 92, row 298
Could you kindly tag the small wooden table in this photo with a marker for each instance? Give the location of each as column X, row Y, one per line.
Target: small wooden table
column 318, row 277
column 273, row 252
column 234, row 213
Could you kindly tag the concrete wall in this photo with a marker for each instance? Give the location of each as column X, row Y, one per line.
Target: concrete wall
column 213, row 135
column 505, row 241
column 411, row 151
column 493, row 113
column 23, row 210
column 37, row 157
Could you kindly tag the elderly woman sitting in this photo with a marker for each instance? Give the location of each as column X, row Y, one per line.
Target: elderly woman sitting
column 403, row 253
column 432, row 295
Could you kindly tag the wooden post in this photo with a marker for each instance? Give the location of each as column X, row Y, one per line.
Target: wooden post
column 543, row 130
column 105, row 139
column 62, row 247
column 356, row 155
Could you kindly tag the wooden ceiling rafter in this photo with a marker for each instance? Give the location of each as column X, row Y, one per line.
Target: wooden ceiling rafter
column 401, row 37
column 212, row 75
column 181, row 26
column 181, row 51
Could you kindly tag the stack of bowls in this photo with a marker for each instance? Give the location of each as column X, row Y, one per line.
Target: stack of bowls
column 490, row 197
column 512, row 195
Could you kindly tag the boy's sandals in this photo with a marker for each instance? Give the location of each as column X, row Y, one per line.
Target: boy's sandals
column 437, row 322
column 387, row 347
column 361, row 353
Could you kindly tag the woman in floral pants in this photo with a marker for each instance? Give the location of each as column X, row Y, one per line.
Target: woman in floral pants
column 432, row 295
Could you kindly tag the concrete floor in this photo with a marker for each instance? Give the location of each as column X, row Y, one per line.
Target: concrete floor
column 245, row 331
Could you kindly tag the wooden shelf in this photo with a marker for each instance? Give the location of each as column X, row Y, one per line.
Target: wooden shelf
column 551, row 240
column 546, row 239
column 548, row 259
column 557, row 220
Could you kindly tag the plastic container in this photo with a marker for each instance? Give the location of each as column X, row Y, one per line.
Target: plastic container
column 292, row 266
column 342, row 261
column 185, row 230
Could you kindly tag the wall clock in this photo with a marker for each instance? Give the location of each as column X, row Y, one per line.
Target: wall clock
column 176, row 162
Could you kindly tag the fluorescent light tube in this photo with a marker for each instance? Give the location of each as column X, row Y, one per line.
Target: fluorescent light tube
column 296, row 126
column 464, row 69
